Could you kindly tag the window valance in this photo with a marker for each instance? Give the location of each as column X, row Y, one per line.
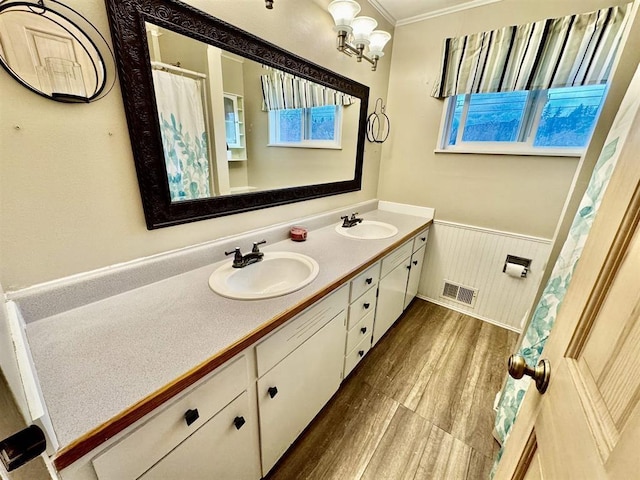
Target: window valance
column 559, row 52
column 282, row 91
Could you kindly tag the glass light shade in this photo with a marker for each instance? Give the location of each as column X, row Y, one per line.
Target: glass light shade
column 362, row 28
column 343, row 13
column 377, row 40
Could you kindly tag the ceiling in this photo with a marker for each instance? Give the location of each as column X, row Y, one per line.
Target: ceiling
column 402, row 12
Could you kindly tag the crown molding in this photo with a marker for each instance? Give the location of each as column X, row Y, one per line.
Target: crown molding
column 440, row 12
column 383, row 11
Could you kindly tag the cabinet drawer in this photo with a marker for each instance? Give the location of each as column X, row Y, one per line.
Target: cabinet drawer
column 134, row 454
column 420, row 240
column 366, row 280
column 357, row 354
column 364, row 328
column 396, row 257
column 293, row 333
column 218, row 449
column 361, row 307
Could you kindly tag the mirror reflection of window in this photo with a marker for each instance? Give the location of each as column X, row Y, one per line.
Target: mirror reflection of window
column 315, row 127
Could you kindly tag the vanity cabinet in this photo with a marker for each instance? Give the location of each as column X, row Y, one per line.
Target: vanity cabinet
column 210, row 432
column 294, row 390
column 415, row 270
column 399, row 279
column 362, row 307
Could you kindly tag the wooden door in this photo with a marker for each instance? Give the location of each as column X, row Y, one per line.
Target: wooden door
column 587, row 424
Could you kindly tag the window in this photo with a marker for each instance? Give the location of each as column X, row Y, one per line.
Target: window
column 555, row 121
column 315, row 127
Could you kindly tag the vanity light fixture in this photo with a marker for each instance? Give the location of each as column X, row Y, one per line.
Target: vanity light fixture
column 357, row 33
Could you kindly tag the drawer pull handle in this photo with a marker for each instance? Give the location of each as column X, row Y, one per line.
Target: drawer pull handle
column 363, row 330
column 191, row 416
column 273, row 391
column 366, row 305
column 415, row 262
column 361, row 353
column 369, row 280
column 239, row 422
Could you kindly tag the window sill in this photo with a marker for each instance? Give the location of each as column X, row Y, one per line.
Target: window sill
column 515, row 153
column 306, row 145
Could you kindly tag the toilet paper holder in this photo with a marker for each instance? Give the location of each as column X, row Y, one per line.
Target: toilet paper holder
column 525, row 262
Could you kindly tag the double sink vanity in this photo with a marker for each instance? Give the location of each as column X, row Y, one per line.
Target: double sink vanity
column 214, row 371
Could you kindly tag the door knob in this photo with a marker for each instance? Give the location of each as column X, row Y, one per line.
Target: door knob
column 518, row 368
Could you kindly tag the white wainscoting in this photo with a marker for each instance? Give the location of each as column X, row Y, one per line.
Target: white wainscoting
column 474, row 257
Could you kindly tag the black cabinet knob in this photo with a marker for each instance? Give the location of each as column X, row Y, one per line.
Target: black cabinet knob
column 369, row 280
column 366, row 305
column 408, row 267
column 424, row 239
column 191, row 416
column 363, row 330
column 415, row 262
column 239, row 422
column 361, row 353
column 273, row 391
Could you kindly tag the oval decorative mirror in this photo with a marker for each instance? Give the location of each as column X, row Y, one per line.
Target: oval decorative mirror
column 50, row 54
column 223, row 122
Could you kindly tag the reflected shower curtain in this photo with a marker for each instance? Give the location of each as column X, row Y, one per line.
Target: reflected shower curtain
column 184, row 136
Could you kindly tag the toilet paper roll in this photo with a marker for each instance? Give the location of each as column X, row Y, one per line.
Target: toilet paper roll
column 515, row 270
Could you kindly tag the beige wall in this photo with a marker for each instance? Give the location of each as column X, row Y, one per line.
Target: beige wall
column 69, row 198
column 522, row 194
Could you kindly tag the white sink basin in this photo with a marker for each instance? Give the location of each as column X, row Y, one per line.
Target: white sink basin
column 277, row 274
column 368, row 230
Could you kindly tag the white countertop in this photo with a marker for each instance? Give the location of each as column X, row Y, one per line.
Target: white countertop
column 99, row 359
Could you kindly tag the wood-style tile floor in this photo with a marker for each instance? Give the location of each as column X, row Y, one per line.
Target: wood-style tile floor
column 419, row 406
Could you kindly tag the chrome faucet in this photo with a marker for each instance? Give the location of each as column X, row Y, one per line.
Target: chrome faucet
column 350, row 222
column 241, row 261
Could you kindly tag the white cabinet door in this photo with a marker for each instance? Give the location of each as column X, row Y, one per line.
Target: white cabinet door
column 297, row 388
column 417, row 260
column 391, row 293
column 218, row 449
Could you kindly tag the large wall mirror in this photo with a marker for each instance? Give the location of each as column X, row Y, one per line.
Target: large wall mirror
column 223, row 122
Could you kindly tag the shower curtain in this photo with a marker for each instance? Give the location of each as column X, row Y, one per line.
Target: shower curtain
column 184, row 136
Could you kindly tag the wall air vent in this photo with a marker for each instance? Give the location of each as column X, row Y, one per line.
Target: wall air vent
column 459, row 293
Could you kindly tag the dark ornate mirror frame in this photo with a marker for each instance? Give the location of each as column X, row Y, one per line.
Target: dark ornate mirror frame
column 127, row 19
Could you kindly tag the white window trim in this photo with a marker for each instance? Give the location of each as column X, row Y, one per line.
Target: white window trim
column 501, row 148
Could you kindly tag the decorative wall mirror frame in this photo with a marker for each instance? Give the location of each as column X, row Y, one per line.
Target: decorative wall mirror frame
column 128, row 20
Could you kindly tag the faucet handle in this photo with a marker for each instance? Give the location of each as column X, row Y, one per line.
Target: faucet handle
column 353, row 215
column 235, row 251
column 255, row 248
